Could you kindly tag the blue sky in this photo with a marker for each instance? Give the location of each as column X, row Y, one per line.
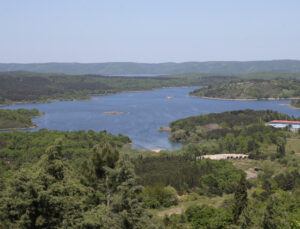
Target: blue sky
column 148, row 31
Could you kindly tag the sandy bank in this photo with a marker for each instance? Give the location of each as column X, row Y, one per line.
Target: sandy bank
column 164, row 129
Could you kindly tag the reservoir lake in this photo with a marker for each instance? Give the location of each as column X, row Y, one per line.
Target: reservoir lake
column 144, row 113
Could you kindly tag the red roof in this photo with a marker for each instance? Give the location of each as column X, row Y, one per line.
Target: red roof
column 285, row 121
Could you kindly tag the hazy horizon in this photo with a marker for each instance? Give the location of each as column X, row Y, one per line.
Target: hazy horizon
column 93, row 31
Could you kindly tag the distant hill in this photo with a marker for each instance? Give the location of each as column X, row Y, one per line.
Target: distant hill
column 122, row 68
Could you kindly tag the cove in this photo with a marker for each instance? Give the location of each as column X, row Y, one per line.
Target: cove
column 141, row 113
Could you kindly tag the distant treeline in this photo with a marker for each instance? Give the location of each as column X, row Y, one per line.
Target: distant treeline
column 116, row 68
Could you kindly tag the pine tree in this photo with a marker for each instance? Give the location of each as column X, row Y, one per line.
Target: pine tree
column 45, row 196
column 126, row 201
column 240, row 199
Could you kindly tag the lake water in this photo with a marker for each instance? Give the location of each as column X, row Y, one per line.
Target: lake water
column 145, row 112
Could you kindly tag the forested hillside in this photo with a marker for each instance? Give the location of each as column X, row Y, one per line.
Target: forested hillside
column 241, row 131
column 253, row 89
column 121, row 68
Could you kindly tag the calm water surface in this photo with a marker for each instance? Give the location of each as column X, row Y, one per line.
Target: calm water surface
column 145, row 112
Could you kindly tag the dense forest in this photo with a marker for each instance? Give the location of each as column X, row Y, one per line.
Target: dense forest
column 60, row 179
column 116, row 68
column 253, row 89
column 102, row 193
column 17, row 119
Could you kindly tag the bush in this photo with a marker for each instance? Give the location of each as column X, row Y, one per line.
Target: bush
column 158, row 195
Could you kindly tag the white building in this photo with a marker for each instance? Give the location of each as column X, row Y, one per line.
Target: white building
column 223, row 156
column 293, row 125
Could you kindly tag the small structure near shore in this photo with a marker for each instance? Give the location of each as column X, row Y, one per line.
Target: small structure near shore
column 223, row 156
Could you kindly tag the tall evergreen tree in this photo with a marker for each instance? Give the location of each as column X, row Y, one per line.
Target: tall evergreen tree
column 127, row 202
column 240, row 199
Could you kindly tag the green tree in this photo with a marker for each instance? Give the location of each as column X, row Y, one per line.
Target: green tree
column 46, row 196
column 126, row 201
column 240, row 199
column 275, row 216
column 281, row 142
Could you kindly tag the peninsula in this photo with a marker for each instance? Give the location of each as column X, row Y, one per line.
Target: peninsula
column 18, row 119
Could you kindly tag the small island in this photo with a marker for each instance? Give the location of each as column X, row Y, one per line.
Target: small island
column 18, row 119
column 251, row 90
column 114, row 112
column 164, row 129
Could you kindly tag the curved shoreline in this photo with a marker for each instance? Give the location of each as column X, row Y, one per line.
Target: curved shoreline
column 262, row 99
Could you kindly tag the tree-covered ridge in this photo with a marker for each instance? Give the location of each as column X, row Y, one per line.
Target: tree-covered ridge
column 116, row 68
column 253, row 89
column 32, row 87
column 17, row 119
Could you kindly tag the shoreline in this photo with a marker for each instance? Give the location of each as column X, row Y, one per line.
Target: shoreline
column 90, row 96
column 21, row 128
column 262, row 99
